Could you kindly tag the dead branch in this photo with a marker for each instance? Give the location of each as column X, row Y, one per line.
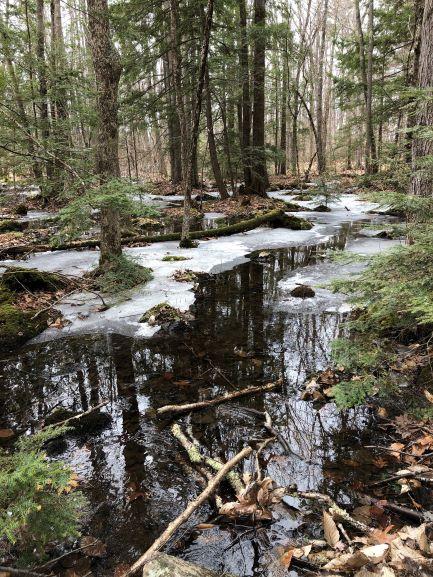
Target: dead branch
column 191, row 508
column 76, row 417
column 197, row 458
column 217, row 400
column 336, row 511
column 20, row 572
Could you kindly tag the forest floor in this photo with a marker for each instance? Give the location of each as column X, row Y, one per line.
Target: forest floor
column 244, row 328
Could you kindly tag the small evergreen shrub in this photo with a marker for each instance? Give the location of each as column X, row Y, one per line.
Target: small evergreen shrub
column 120, row 274
column 38, row 501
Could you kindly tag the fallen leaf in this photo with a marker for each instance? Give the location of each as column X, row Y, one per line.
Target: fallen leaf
column 332, row 534
column 6, row 433
column 428, row 396
column 396, row 449
column 203, row 526
column 286, row 558
column 120, row 569
column 418, row 535
column 93, row 547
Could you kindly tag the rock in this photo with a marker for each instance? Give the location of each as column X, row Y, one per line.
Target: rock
column 203, row 197
column 245, row 201
column 322, row 208
column 20, row 279
column 303, row 292
column 11, row 225
column 168, row 566
column 291, row 222
column 21, row 209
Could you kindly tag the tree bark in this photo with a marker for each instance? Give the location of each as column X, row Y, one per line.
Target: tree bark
column 321, row 152
column 246, row 99
column 107, row 66
column 422, row 147
column 260, row 179
column 282, row 169
column 366, row 67
column 211, row 141
column 188, row 177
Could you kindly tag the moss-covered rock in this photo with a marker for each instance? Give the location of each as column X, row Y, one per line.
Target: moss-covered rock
column 19, row 279
column 163, row 313
column 18, row 326
column 11, row 225
column 291, row 222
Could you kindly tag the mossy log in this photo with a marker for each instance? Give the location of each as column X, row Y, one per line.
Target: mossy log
column 163, row 565
column 276, row 217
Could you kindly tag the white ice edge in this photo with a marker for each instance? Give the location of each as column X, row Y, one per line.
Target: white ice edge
column 211, row 256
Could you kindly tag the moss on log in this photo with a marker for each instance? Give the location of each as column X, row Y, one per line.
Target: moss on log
column 11, row 225
column 276, row 218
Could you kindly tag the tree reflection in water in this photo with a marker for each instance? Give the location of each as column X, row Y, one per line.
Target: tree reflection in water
column 131, row 470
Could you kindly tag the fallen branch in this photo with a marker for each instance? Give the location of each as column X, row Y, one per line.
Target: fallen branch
column 76, row 417
column 20, row 572
column 191, row 508
column 217, row 400
column 197, row 458
column 337, row 511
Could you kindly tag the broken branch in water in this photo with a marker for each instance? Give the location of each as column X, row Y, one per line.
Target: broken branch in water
column 197, row 458
column 76, row 417
column 337, row 511
column 217, row 400
column 186, row 514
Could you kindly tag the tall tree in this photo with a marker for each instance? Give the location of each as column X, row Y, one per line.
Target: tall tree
column 246, row 99
column 321, row 137
column 108, row 68
column 422, row 146
column 189, row 176
column 259, row 181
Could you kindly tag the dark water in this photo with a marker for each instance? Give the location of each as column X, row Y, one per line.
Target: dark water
column 134, row 473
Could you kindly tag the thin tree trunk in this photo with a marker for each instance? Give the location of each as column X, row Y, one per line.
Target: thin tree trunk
column 260, row 180
column 246, row 99
column 321, row 152
column 188, row 179
column 212, row 144
column 283, row 135
column 422, row 147
column 108, row 69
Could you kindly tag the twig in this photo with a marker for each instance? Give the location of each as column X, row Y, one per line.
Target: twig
column 191, row 508
column 56, row 559
column 217, row 400
column 334, row 509
column 20, row 572
column 76, row 417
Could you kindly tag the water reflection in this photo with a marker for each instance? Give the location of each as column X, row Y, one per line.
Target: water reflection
column 132, row 471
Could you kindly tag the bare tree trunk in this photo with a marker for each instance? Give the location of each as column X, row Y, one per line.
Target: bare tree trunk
column 108, row 69
column 321, row 152
column 283, row 136
column 188, row 177
column 211, row 140
column 246, row 99
column 422, row 147
column 174, row 133
column 366, row 66
column 42, row 78
column 260, row 180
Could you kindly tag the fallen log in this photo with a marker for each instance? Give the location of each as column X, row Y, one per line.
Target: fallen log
column 216, row 401
column 277, row 215
column 167, row 566
column 186, row 514
column 76, row 417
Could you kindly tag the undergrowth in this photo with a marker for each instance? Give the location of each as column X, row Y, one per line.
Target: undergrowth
column 392, row 300
column 38, row 501
column 120, row 274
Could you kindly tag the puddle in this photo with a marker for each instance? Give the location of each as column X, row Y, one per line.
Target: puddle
column 133, row 472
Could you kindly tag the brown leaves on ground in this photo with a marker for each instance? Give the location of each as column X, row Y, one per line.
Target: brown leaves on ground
column 320, row 387
column 93, row 547
column 255, row 501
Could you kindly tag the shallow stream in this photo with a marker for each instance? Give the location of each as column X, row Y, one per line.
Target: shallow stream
column 248, row 330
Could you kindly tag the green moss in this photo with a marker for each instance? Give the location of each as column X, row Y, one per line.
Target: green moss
column 351, row 393
column 19, row 279
column 10, row 225
column 162, row 313
column 174, row 258
column 121, row 274
column 17, row 326
column 291, row 222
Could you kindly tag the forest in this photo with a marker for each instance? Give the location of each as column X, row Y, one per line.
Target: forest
column 216, row 288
